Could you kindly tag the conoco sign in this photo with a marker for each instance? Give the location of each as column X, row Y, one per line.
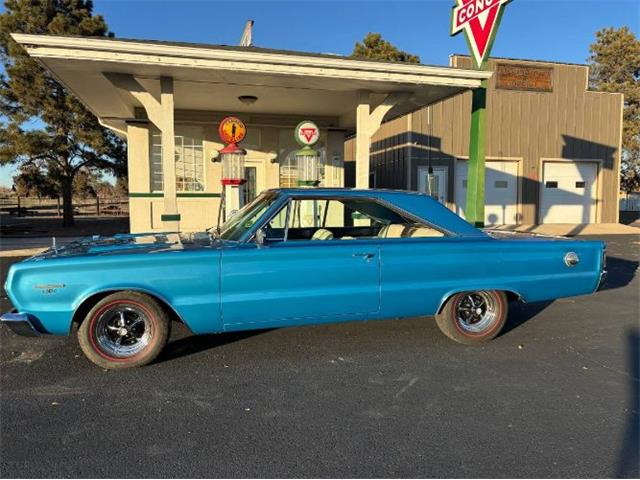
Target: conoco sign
column 479, row 19
column 307, row 133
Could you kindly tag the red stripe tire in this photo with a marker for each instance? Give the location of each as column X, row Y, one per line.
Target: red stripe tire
column 473, row 317
column 125, row 329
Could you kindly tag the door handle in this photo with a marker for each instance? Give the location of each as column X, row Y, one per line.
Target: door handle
column 366, row 255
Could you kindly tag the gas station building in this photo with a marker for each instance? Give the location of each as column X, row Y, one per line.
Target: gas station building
column 552, row 146
column 167, row 99
column 399, row 121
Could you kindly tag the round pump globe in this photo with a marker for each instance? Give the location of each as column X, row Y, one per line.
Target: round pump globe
column 308, row 166
column 232, row 159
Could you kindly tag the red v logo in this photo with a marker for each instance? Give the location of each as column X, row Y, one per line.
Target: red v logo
column 479, row 20
column 482, row 34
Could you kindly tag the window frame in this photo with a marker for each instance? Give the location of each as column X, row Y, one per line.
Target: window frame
column 400, row 211
column 153, row 133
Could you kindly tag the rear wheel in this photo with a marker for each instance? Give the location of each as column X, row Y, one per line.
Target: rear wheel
column 124, row 329
column 473, row 317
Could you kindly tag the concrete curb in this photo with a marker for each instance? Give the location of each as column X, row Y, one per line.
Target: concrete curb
column 25, row 252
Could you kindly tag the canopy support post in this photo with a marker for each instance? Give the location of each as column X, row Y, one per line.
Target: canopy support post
column 161, row 113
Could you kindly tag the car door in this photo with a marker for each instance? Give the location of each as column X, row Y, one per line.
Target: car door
column 299, row 282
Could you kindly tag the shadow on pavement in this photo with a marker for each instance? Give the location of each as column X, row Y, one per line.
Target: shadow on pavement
column 621, row 272
column 629, row 457
column 191, row 344
column 519, row 313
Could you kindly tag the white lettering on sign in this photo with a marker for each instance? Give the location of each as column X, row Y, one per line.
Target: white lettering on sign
column 478, row 19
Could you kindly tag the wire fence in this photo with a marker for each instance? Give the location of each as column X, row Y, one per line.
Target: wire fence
column 52, row 207
column 630, row 202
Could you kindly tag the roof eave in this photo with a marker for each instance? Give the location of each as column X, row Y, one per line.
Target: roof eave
column 134, row 52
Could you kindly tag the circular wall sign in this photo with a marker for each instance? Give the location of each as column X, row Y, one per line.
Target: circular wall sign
column 232, row 130
column 307, row 133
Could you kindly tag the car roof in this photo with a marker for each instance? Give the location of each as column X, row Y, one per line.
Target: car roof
column 416, row 203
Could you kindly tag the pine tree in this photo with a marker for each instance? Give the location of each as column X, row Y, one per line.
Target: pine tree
column 67, row 137
column 374, row 47
column 615, row 67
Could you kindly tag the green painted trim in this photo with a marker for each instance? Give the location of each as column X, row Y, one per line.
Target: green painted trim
column 198, row 195
column 170, row 218
column 145, row 195
column 179, row 195
column 306, row 151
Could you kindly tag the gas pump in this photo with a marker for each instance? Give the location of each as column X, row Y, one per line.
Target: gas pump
column 308, row 161
column 232, row 131
column 308, row 167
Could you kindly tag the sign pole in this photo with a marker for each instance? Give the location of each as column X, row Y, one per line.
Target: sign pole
column 480, row 22
column 474, row 211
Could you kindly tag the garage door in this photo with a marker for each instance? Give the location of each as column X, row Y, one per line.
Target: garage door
column 501, row 191
column 568, row 192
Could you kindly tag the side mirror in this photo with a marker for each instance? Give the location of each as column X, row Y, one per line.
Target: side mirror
column 259, row 237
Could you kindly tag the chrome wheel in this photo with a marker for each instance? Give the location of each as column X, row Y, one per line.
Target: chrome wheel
column 123, row 331
column 476, row 311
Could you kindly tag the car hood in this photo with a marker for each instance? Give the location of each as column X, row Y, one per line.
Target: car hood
column 130, row 243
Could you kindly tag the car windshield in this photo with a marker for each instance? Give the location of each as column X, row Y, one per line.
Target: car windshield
column 242, row 221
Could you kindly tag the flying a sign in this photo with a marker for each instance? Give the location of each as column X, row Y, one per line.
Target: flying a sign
column 307, row 133
column 479, row 19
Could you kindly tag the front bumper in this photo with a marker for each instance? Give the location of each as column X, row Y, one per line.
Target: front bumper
column 20, row 323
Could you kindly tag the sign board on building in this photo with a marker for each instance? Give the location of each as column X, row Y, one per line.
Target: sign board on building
column 479, row 20
column 510, row 76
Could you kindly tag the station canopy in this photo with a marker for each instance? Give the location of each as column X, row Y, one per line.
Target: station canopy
column 213, row 77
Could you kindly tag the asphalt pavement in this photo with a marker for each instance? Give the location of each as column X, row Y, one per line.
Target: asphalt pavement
column 556, row 395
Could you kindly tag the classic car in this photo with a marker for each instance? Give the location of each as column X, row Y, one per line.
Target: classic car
column 294, row 257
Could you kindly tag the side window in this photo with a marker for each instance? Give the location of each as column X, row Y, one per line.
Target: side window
column 307, row 213
column 343, row 219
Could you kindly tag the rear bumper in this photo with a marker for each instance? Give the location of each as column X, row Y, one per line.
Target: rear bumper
column 603, row 279
column 20, row 323
column 603, row 269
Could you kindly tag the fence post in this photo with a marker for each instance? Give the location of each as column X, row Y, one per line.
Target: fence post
column 58, row 206
column 97, row 205
column 19, row 214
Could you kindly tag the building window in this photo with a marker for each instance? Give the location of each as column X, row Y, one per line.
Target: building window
column 189, row 160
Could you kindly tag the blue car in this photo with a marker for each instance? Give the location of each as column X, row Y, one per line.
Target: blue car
column 294, row 257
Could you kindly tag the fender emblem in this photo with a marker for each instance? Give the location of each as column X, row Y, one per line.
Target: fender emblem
column 49, row 288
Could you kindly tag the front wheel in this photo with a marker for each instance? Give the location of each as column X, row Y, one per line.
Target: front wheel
column 473, row 317
column 124, row 329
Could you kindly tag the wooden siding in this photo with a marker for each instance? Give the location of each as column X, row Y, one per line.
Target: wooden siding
column 568, row 123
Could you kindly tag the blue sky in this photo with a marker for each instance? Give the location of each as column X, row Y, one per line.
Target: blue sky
column 559, row 30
